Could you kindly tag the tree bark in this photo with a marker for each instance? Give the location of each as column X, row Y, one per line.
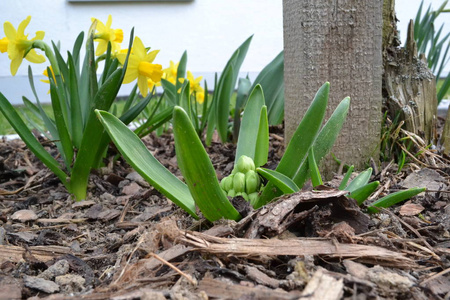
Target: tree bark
column 339, row 42
column 409, row 87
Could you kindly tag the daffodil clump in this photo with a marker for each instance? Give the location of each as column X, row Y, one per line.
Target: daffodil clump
column 243, row 180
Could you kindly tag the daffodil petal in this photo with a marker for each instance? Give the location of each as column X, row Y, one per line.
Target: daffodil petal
column 130, row 75
column 101, row 47
column 109, row 22
column 14, row 52
column 23, row 25
column 33, row 57
column 143, row 86
column 15, row 64
column 39, row 35
column 121, row 57
column 150, row 57
column 10, row 31
column 138, row 48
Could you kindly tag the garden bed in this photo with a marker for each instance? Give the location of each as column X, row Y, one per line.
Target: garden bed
column 127, row 241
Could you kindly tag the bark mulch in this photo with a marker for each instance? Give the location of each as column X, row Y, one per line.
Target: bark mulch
column 127, row 241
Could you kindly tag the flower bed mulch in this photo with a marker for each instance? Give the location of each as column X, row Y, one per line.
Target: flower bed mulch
column 127, row 241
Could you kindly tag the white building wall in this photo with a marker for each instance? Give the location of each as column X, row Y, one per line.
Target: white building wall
column 210, row 30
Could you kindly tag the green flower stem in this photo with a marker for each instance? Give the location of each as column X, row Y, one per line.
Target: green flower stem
column 49, row 53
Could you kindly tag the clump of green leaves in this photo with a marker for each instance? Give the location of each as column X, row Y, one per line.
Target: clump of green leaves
column 310, row 143
column 433, row 43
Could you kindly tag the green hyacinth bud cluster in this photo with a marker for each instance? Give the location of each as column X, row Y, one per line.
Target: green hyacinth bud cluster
column 243, row 180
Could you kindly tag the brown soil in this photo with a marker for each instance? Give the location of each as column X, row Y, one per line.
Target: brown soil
column 127, row 241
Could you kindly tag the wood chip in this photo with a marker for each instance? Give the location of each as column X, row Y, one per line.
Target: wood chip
column 411, row 209
column 323, row 286
column 218, row 289
column 24, row 215
column 301, row 246
column 43, row 253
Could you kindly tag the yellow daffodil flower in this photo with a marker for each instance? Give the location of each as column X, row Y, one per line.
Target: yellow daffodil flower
column 18, row 46
column 170, row 74
column 194, row 85
column 45, row 73
column 152, row 84
column 106, row 34
column 140, row 66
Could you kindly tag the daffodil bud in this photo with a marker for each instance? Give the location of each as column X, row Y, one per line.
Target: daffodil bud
column 245, row 164
column 239, row 182
column 252, row 182
column 253, row 198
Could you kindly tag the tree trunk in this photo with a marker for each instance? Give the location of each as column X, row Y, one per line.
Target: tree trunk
column 339, row 42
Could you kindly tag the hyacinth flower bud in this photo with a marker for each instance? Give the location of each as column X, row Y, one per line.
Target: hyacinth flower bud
column 239, row 182
column 245, row 164
column 231, row 193
column 253, row 198
column 252, row 182
column 228, row 184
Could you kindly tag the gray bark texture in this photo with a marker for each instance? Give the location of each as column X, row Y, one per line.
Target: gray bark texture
column 339, row 42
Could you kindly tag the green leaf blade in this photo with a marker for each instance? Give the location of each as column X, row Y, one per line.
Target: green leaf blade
column 25, row 134
column 196, row 167
column 302, row 139
column 248, row 133
column 138, row 156
column 281, row 181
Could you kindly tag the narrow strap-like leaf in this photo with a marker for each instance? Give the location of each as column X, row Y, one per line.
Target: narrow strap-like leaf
column 272, row 81
column 326, row 138
column 302, row 139
column 262, row 142
column 316, row 178
column 248, row 133
column 75, row 107
column 32, row 143
column 61, row 122
column 281, row 181
column 361, row 180
column 346, row 178
column 394, row 198
column 242, row 94
column 361, row 194
column 198, row 170
column 181, row 73
column 223, row 102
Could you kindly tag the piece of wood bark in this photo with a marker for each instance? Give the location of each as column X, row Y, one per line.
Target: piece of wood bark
column 277, row 216
column 323, row 286
column 42, row 253
column 298, row 247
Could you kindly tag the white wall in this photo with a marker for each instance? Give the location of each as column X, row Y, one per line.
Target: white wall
column 210, row 30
